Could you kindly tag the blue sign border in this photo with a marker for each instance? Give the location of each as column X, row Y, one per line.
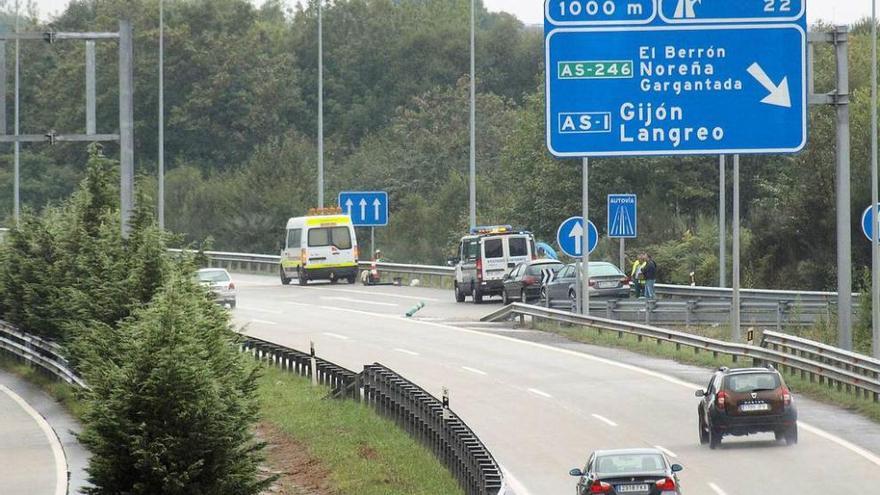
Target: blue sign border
column 865, row 221
column 383, row 194
column 793, row 18
column 627, row 22
column 745, row 151
column 635, row 220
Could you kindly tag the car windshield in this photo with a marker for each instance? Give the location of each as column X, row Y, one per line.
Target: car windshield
column 213, row 276
column 536, row 269
column 749, row 382
column 340, row 237
column 629, row 463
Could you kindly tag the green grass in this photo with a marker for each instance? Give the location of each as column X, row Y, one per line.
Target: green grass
column 686, row 355
column 364, row 453
column 65, row 394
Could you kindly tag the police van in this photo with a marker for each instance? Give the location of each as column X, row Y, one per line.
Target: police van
column 320, row 246
column 484, row 256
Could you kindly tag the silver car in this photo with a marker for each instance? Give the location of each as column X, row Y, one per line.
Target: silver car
column 606, row 281
column 219, row 282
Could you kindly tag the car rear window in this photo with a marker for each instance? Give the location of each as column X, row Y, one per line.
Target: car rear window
column 629, row 463
column 748, row 382
column 604, row 270
column 518, row 246
column 493, row 248
column 213, row 276
column 537, row 269
column 339, row 237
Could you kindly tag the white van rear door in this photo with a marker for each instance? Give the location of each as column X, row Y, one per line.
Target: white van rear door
column 330, row 246
column 494, row 258
column 519, row 249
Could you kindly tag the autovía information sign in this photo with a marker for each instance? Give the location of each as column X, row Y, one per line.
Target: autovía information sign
column 675, row 77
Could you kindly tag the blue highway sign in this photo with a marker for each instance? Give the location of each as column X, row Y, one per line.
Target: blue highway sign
column 570, row 237
column 682, row 84
column 622, row 216
column 366, row 208
column 867, row 224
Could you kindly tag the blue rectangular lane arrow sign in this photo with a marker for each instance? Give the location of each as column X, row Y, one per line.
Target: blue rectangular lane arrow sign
column 366, row 208
column 622, row 216
column 676, row 90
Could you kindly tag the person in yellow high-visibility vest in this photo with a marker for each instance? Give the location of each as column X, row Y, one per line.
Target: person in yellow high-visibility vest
column 636, row 276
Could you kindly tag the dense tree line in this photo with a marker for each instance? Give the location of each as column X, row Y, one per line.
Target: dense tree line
column 241, row 105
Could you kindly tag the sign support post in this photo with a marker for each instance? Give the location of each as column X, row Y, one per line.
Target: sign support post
column 623, row 255
column 735, row 330
column 585, row 264
column 844, row 243
column 722, row 224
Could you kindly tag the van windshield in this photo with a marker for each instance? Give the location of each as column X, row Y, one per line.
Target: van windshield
column 339, row 237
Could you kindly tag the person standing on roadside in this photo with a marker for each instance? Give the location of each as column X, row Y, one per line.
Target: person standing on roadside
column 635, row 275
column 650, row 274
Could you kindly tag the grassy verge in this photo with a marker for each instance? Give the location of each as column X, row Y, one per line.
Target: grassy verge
column 65, row 394
column 364, row 454
column 687, row 355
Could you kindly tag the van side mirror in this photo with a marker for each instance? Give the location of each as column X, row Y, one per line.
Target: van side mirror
column 576, row 472
column 700, row 393
column 452, row 261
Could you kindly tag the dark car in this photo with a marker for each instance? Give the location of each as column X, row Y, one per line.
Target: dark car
column 746, row 401
column 631, row 471
column 606, row 281
column 525, row 282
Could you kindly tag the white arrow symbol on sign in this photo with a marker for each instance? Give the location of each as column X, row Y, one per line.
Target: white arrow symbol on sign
column 779, row 95
column 578, row 233
column 376, row 204
column 363, row 204
column 349, row 204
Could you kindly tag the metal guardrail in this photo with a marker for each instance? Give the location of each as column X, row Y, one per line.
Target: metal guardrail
column 424, row 417
column 38, row 352
column 765, row 295
column 855, row 378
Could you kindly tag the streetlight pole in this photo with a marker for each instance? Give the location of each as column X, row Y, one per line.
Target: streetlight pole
column 320, row 105
column 875, row 237
column 161, row 209
column 17, row 173
column 473, row 152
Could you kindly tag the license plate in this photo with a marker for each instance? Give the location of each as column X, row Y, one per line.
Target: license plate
column 754, row 407
column 631, row 488
column 607, row 285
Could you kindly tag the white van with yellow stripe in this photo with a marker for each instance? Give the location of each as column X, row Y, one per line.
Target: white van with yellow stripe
column 320, row 246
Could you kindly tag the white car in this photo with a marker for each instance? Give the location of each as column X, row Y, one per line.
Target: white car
column 220, row 283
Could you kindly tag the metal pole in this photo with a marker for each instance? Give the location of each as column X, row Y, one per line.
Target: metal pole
column 3, row 89
column 161, row 208
column 735, row 330
column 722, row 223
column 623, row 255
column 373, row 241
column 875, row 192
column 17, row 166
column 126, row 123
column 844, row 242
column 91, row 126
column 473, row 122
column 585, row 243
column 320, row 106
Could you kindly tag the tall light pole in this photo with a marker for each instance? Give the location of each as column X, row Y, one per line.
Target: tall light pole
column 161, row 209
column 320, row 106
column 473, row 118
column 875, row 238
column 17, row 173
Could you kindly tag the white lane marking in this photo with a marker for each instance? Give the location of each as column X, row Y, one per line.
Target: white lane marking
column 54, row 442
column 376, row 294
column 542, row 394
column 359, row 301
column 474, row 370
column 404, row 351
column 264, row 322
column 336, row 336
column 666, row 451
column 716, row 489
column 604, row 420
column 261, row 310
column 292, row 303
column 869, row 456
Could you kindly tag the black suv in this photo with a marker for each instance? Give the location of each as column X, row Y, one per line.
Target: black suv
column 746, row 401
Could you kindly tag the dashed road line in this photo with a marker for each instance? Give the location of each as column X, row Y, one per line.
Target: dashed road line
column 666, row 451
column 336, row 336
column 404, row 351
column 716, row 489
column 474, row 371
column 604, row 420
column 540, row 393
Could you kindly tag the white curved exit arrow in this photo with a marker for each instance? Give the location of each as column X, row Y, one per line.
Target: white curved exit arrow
column 779, row 95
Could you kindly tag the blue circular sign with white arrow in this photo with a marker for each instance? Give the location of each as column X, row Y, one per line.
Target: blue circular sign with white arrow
column 867, row 224
column 570, row 237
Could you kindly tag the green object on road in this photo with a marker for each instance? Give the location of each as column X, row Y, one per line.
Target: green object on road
column 415, row 309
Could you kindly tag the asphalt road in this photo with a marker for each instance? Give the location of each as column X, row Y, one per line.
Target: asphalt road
column 541, row 408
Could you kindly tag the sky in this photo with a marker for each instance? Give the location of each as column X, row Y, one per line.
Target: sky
column 531, row 11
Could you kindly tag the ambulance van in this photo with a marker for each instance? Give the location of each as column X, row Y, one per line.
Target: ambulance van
column 320, row 246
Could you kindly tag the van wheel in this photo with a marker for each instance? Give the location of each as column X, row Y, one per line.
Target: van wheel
column 284, row 279
column 476, row 295
column 301, row 277
column 352, row 279
column 459, row 295
column 333, row 280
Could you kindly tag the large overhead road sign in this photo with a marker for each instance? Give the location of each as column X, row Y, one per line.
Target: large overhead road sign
column 710, row 77
column 366, row 208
